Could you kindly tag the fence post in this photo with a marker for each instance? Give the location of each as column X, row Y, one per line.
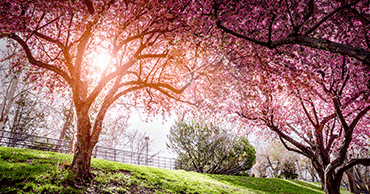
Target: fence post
column 115, row 155
column 131, row 157
column 47, row 144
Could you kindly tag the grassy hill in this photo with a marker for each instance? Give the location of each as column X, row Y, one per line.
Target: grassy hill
column 32, row 171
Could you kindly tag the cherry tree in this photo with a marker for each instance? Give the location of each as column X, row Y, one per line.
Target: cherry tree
column 323, row 114
column 299, row 69
column 145, row 45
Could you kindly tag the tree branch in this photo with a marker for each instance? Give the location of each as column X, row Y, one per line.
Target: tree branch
column 81, row 48
column 131, row 38
column 350, row 164
column 270, row 27
column 295, row 28
column 37, row 63
column 303, row 40
column 325, row 120
column 302, row 149
column 348, row 132
column 328, row 16
column 102, row 83
column 323, row 44
column 289, row 148
column 145, row 56
column 227, row 30
column 310, row 10
column 301, row 136
column 169, row 87
column 60, row 45
column 90, row 6
column 49, row 39
column 306, row 112
column 358, row 117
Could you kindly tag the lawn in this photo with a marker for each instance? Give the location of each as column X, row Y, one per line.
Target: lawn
column 32, row 171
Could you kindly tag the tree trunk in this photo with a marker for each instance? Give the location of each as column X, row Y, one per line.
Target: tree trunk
column 84, row 146
column 328, row 183
column 351, row 181
column 320, row 172
column 331, row 186
column 72, row 149
column 81, row 160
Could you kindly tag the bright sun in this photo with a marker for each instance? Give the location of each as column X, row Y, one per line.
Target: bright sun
column 102, row 61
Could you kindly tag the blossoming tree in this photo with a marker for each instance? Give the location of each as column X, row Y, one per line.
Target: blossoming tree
column 137, row 41
column 299, row 69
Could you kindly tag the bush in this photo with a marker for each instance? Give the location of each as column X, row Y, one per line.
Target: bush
column 206, row 148
column 289, row 171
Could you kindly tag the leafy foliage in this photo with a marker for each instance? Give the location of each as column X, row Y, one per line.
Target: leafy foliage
column 290, row 170
column 207, row 148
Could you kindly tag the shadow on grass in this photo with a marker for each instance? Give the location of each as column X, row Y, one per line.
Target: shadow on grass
column 307, row 184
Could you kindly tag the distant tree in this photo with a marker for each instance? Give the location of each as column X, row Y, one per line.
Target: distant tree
column 290, row 170
column 10, row 87
column 141, row 145
column 115, row 133
column 21, row 111
column 26, row 119
column 206, row 148
column 275, row 161
column 307, row 171
column 357, row 177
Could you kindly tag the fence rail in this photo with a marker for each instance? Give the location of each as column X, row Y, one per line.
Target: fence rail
column 19, row 140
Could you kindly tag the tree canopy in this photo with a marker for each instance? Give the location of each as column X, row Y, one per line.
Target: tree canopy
column 147, row 65
column 297, row 68
column 301, row 70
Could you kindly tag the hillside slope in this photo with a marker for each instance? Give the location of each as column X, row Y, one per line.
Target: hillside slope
column 32, row 171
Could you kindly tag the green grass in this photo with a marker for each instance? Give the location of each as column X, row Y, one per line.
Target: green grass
column 317, row 186
column 31, row 171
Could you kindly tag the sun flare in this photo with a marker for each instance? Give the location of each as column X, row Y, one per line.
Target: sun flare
column 102, row 61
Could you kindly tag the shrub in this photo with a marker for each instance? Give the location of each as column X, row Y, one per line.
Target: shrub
column 206, row 148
